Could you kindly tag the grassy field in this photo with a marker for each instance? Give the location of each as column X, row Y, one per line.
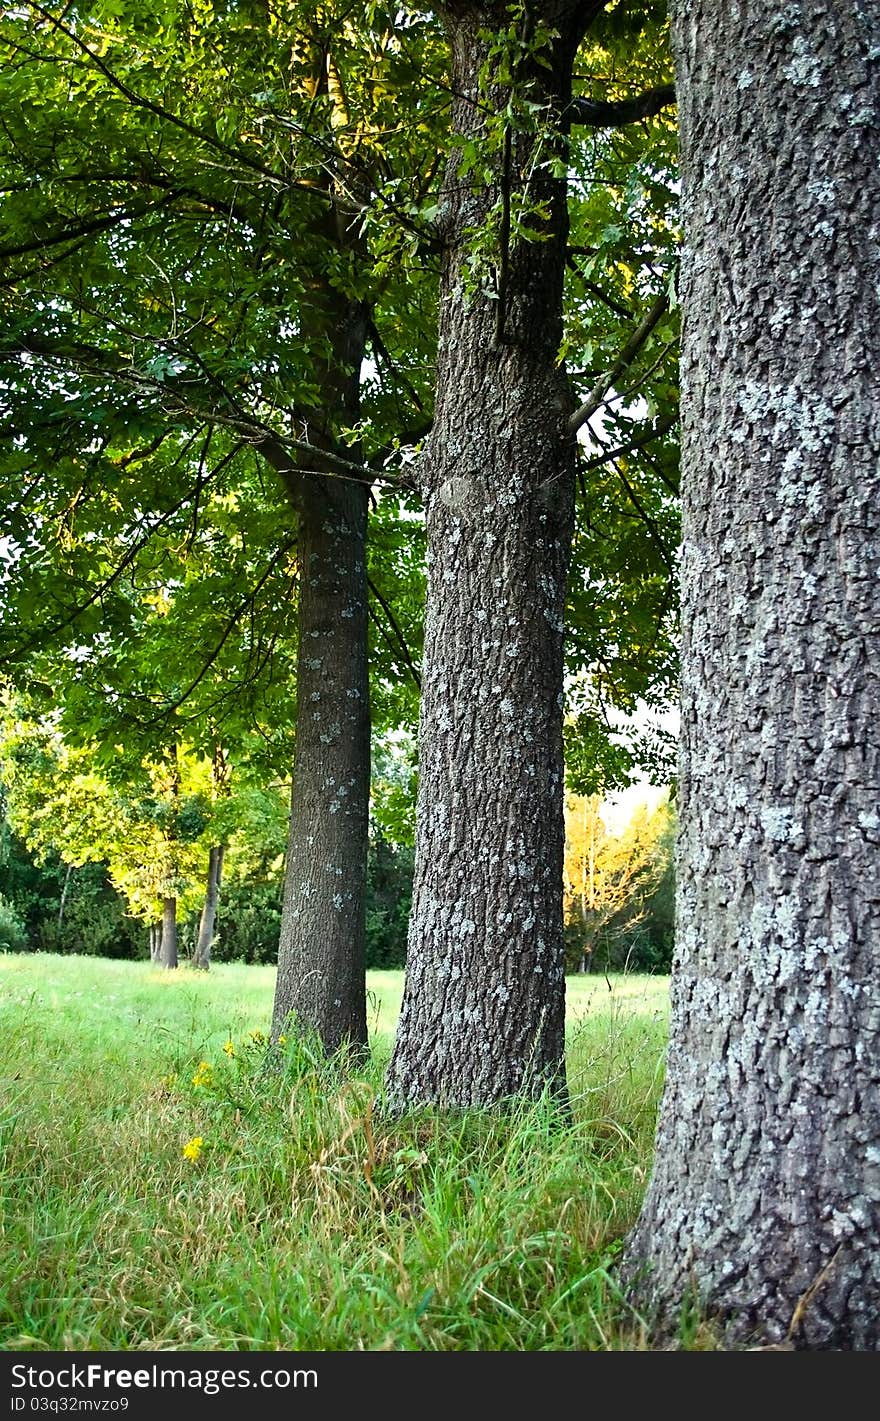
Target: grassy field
column 161, row 1190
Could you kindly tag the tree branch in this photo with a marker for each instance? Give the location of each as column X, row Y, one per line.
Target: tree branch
column 193, row 399
column 595, row 290
column 170, row 706
column 401, row 639
column 674, row 488
column 147, row 530
column 610, row 455
column 274, row 447
column 597, row 395
column 96, row 224
column 649, row 522
column 144, row 103
column 592, row 113
column 503, row 241
column 382, row 351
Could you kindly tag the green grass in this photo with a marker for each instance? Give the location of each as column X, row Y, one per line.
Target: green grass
column 308, row 1221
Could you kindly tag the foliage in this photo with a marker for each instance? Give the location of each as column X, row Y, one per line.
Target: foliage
column 645, row 939
column 59, row 802
column 245, row 176
column 149, row 824
column 248, row 920
column 95, row 921
column 13, row 933
column 393, row 789
column 622, row 643
column 161, row 346
column 34, row 890
column 96, row 918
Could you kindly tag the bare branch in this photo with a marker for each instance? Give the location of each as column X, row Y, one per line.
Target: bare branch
column 611, row 455
column 395, row 627
column 592, row 113
column 596, row 397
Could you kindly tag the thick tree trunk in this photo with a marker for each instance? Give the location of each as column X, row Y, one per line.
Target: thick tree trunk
column 205, row 937
column 321, row 982
column 765, row 1197
column 483, row 1007
column 168, row 955
column 321, row 953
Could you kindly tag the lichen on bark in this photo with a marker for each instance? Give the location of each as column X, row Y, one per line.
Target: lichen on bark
column 483, row 1008
column 764, row 1204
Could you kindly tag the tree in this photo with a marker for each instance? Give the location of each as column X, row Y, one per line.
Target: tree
column 154, row 825
column 483, row 1008
column 189, row 199
column 60, row 802
column 262, row 213
column 606, row 877
column 764, row 1204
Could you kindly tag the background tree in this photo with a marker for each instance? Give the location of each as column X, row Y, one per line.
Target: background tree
column 168, row 268
column 621, row 344
column 152, row 826
column 55, row 907
column 220, row 788
column 763, row 1205
column 149, row 835
column 608, row 877
column 482, row 1015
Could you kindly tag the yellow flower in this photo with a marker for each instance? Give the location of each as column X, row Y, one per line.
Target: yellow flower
column 259, row 1037
column 193, row 1148
column 204, row 1075
column 282, row 1041
column 229, row 1048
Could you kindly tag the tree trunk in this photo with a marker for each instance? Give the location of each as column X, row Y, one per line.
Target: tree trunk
column 168, row 955
column 321, row 980
column 765, row 1196
column 64, row 892
column 156, row 942
column 205, row 938
column 483, row 1007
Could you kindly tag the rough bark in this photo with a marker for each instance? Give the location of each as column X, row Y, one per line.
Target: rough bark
column 205, row 937
column 483, row 1007
column 321, row 982
column 168, row 952
column 765, row 1197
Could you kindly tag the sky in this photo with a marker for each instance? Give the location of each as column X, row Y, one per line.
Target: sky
column 617, row 809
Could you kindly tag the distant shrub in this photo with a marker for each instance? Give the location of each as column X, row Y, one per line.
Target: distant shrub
column 13, row 933
column 389, row 900
column 248, row 922
column 94, row 921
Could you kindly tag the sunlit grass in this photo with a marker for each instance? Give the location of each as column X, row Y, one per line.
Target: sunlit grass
column 304, row 1219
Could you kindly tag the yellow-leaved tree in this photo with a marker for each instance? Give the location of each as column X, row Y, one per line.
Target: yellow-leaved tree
column 609, row 878
column 148, row 830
